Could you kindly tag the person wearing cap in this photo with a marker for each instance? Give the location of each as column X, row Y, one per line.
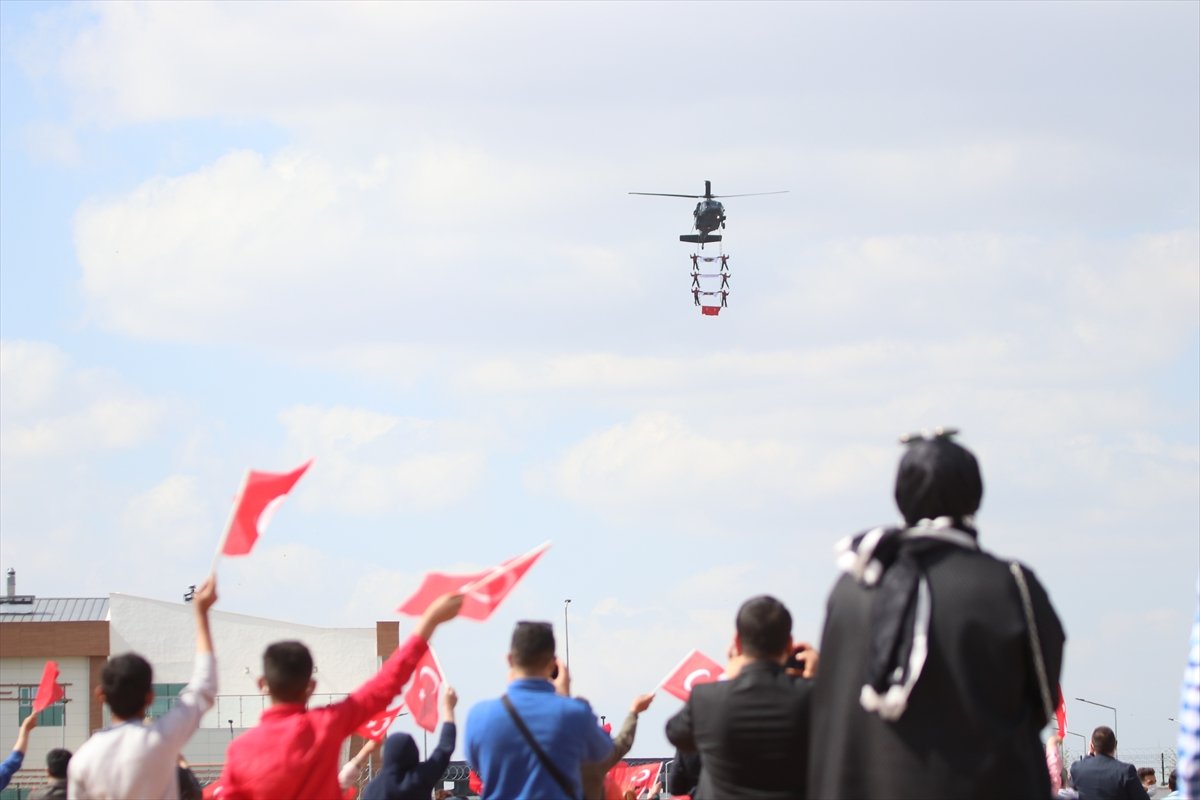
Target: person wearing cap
column 939, row 660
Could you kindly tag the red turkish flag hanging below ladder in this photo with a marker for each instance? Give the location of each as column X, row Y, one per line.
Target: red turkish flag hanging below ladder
column 422, row 695
column 261, row 495
column 694, row 669
column 49, row 692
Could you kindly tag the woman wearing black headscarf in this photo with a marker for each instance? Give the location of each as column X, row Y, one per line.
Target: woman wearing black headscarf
column 403, row 775
column 937, row 659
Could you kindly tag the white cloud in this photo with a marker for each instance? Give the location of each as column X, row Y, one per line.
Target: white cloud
column 658, row 460
column 52, row 407
column 370, row 463
column 53, row 143
column 172, row 513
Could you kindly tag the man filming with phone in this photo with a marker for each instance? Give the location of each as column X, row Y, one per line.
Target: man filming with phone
column 532, row 741
column 751, row 729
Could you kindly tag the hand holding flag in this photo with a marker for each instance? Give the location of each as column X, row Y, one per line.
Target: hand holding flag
column 49, row 691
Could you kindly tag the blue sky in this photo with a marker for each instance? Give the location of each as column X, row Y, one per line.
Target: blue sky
column 396, row 238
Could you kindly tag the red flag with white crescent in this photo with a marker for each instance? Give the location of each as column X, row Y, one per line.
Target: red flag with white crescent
column 640, row 778
column 377, row 726
column 484, row 590
column 261, row 495
column 49, row 691
column 1060, row 713
column 424, row 691
column 696, row 668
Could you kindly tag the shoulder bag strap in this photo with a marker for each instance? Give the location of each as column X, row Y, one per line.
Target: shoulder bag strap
column 549, row 765
column 1036, row 644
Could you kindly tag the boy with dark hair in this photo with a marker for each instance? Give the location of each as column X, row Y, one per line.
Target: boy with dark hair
column 287, row 668
column 56, row 768
column 293, row 752
column 133, row 757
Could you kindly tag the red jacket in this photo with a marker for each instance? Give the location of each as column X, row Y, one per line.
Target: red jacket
column 293, row 752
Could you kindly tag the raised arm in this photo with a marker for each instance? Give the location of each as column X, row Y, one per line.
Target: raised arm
column 374, row 695
column 205, row 596
column 10, row 765
column 623, row 741
column 435, row 766
column 178, row 724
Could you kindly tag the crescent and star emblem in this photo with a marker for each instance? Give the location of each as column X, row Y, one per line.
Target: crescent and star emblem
column 435, row 682
column 695, row 676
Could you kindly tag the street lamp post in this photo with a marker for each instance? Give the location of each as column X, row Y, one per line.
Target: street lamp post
column 567, row 630
column 1110, row 708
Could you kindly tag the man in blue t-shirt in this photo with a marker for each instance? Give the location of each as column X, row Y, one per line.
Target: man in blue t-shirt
column 562, row 728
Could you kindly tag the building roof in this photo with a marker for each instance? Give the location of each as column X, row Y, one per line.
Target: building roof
column 56, row 609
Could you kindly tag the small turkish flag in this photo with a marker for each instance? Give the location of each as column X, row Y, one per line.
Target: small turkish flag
column 484, row 590
column 1060, row 714
column 710, row 311
column 261, row 495
column 475, row 783
column 213, row 790
column 422, row 695
column 377, row 726
column 49, row 692
column 695, row 668
column 640, row 778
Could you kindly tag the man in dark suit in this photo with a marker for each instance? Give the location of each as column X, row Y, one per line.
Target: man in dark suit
column 1101, row 777
column 751, row 730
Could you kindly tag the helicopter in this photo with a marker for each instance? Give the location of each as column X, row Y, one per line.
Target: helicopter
column 709, row 214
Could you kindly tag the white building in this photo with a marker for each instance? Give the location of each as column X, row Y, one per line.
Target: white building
column 80, row 633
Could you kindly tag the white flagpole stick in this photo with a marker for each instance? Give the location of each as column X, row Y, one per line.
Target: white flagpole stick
column 503, row 568
column 437, row 663
column 229, row 524
column 682, row 661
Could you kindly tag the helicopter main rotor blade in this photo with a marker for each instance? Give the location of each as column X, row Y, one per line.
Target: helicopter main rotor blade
column 661, row 194
column 752, row 194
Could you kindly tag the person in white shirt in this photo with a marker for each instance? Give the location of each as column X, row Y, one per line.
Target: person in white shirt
column 133, row 757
